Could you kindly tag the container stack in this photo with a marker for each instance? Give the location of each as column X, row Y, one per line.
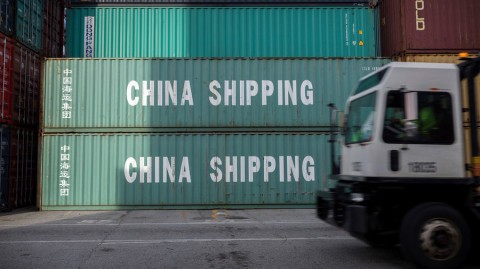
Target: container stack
column 198, row 104
column 429, row 31
column 29, row 31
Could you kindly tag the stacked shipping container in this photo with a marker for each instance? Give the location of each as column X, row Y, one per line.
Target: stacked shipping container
column 29, row 31
column 189, row 132
column 184, row 131
column 259, row 31
column 429, row 27
column 199, row 128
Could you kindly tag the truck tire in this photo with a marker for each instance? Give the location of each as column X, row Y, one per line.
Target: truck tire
column 435, row 235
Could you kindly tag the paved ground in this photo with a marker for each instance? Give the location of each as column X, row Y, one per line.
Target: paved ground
column 266, row 238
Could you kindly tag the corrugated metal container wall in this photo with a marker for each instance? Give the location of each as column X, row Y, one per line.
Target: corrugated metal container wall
column 29, row 23
column 117, row 2
column 53, row 28
column 220, row 32
column 241, row 93
column 6, row 75
column 104, row 171
column 7, row 17
column 454, row 59
column 22, row 168
column 25, row 96
column 4, row 157
column 440, row 26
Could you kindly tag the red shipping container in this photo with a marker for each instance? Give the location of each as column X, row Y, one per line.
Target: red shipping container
column 22, row 169
column 6, row 76
column 26, row 86
column 53, row 28
column 429, row 26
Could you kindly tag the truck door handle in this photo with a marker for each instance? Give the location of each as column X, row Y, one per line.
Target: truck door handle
column 394, row 160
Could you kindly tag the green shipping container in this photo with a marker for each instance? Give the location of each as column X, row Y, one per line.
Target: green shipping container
column 191, row 32
column 116, row 95
column 29, row 23
column 119, row 171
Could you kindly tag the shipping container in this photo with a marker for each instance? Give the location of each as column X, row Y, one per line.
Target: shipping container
column 53, row 28
column 21, row 186
column 7, row 17
column 29, row 22
column 6, row 75
column 4, row 161
column 440, row 26
column 85, row 94
column 222, row 2
column 125, row 32
column 25, row 97
column 134, row 170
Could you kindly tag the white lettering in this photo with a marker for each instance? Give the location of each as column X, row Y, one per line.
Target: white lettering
column 187, row 94
column 213, row 89
column 252, row 90
column 231, row 168
column 166, row 92
column 306, row 96
column 169, row 168
column 147, row 93
column 308, row 168
column 146, row 167
column 269, row 164
column 132, row 85
column 171, row 91
column 185, row 171
column 267, row 90
column 214, row 163
column 253, row 166
column 294, row 167
column 420, row 21
column 130, row 177
column 291, row 91
column 287, row 92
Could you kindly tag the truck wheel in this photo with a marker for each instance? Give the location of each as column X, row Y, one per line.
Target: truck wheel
column 434, row 235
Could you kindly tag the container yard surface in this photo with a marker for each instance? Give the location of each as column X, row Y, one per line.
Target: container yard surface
column 218, row 238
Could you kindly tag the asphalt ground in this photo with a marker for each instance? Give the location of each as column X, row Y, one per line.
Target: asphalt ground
column 266, row 238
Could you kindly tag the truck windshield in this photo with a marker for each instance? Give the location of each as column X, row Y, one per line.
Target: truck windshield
column 359, row 124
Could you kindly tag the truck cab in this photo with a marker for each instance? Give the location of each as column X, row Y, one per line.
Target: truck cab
column 405, row 128
column 409, row 170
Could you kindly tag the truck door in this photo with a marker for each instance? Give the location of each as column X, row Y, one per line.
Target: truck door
column 423, row 145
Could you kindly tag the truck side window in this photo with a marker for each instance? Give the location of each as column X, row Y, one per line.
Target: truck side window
column 434, row 124
column 393, row 129
column 435, row 118
column 360, row 120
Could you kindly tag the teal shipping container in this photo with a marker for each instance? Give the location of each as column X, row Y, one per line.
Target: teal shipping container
column 132, row 95
column 29, row 22
column 190, row 32
column 134, row 170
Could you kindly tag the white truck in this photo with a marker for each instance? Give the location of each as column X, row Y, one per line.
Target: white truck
column 409, row 169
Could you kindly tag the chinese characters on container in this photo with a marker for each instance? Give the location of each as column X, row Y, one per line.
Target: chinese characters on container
column 64, row 170
column 67, row 94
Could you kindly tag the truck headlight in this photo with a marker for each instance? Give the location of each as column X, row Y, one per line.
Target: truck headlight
column 357, row 197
